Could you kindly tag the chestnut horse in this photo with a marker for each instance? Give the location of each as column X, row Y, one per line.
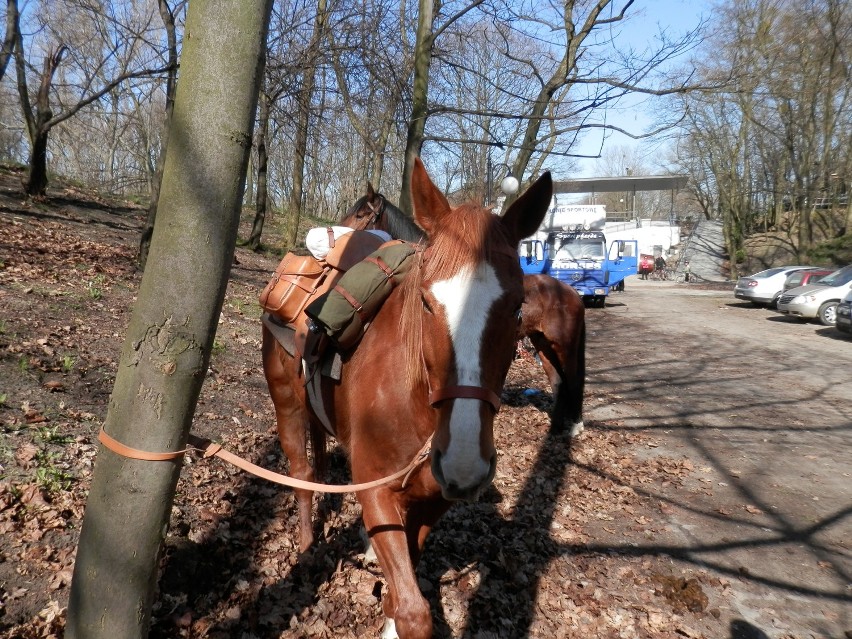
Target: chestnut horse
column 553, row 314
column 431, row 365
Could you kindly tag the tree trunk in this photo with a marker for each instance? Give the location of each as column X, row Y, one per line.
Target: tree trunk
column 10, row 37
column 168, row 18
column 167, row 347
column 36, row 182
column 300, row 144
column 262, row 166
column 419, row 100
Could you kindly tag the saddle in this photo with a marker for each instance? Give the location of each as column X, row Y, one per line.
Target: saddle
column 335, row 311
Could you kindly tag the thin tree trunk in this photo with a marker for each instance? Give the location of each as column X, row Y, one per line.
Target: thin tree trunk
column 262, row 166
column 36, row 182
column 12, row 27
column 168, row 17
column 419, row 99
column 167, row 348
column 300, row 145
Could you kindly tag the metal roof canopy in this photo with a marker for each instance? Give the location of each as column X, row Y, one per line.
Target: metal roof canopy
column 620, row 184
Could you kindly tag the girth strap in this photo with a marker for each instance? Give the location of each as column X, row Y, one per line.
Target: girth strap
column 466, row 392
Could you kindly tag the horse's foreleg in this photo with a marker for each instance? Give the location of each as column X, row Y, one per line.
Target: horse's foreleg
column 406, row 611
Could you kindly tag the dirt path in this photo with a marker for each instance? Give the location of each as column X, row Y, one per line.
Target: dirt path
column 759, row 404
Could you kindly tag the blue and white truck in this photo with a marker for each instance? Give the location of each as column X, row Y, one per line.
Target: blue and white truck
column 571, row 246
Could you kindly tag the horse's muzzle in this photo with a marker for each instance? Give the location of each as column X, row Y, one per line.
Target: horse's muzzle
column 471, row 489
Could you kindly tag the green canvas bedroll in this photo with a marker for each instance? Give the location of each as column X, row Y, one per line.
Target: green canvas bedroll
column 346, row 310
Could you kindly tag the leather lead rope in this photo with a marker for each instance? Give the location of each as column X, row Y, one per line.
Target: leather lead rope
column 212, row 449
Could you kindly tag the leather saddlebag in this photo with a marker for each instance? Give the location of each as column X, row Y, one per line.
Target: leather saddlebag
column 293, row 285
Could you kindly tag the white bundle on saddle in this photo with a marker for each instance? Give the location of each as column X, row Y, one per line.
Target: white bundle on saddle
column 318, row 240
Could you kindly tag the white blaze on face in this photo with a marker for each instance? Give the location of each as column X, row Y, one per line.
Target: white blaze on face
column 467, row 299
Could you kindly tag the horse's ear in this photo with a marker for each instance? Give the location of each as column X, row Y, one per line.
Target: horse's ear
column 526, row 213
column 429, row 203
column 371, row 192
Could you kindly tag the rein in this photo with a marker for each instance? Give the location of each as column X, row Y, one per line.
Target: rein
column 211, row 449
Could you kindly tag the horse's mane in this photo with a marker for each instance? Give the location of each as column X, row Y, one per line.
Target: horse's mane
column 466, row 237
column 400, row 226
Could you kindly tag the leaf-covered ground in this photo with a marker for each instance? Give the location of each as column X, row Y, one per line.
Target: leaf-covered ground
column 526, row 561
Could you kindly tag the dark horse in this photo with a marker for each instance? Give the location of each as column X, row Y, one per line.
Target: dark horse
column 553, row 314
column 432, row 365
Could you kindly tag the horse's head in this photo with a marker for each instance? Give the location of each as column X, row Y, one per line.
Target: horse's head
column 374, row 211
column 367, row 212
column 467, row 298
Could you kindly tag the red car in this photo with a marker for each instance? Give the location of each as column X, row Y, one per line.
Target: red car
column 805, row 276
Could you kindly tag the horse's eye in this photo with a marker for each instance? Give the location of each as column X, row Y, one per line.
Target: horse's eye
column 426, row 306
column 519, row 315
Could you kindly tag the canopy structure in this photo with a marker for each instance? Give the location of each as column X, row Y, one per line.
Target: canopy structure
column 628, row 185
column 621, row 184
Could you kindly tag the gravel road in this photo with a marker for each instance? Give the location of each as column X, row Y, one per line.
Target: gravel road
column 760, row 405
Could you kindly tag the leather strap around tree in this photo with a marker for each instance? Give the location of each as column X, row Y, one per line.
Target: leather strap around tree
column 466, row 392
column 212, row 449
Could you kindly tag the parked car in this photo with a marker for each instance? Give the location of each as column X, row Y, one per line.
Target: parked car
column 844, row 314
column 818, row 300
column 805, row 276
column 764, row 288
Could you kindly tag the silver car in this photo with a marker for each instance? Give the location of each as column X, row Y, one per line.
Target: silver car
column 764, row 288
column 818, row 300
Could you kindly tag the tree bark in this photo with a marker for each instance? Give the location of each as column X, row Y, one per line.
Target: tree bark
column 167, row 347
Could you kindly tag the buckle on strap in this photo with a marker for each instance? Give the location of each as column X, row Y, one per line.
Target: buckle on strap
column 466, row 392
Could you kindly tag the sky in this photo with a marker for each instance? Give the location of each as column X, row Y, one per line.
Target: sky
column 675, row 16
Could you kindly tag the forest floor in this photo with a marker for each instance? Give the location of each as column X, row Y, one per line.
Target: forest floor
column 569, row 542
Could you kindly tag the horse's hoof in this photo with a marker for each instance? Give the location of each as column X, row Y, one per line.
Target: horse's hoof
column 576, row 429
column 389, row 630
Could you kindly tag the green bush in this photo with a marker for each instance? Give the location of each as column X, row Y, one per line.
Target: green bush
column 835, row 251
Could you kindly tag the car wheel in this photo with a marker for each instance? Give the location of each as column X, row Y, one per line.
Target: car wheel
column 828, row 314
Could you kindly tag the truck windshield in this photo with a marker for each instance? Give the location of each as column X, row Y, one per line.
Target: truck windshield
column 573, row 249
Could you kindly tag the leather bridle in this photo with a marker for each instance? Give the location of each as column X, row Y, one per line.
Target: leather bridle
column 370, row 220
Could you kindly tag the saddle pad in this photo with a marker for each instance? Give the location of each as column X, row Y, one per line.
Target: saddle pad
column 284, row 334
column 331, row 364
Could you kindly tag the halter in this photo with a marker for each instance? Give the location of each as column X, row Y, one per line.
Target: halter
column 376, row 212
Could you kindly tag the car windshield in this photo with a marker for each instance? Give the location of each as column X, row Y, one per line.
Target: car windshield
column 576, row 250
column 838, row 278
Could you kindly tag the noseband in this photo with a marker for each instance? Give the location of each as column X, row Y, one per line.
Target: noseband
column 465, row 392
